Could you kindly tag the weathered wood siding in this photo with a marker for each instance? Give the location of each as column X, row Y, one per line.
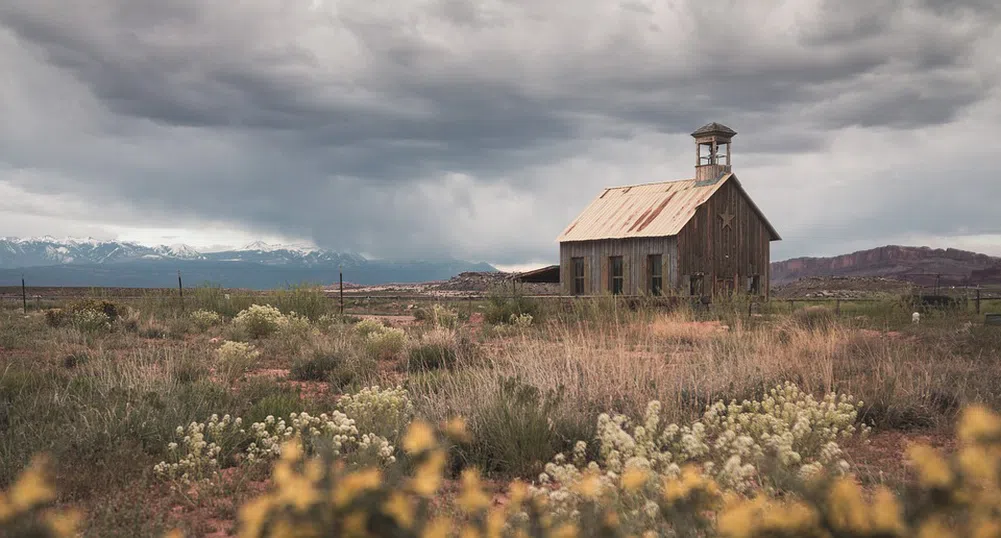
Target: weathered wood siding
column 634, row 254
column 724, row 252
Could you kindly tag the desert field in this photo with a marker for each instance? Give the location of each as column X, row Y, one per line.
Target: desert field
column 273, row 414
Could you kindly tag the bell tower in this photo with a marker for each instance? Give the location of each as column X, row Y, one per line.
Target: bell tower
column 712, row 151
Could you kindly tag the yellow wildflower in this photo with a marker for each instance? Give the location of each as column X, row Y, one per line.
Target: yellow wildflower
column 6, row 510
column 847, row 508
column 400, row 508
column 31, row 489
column 979, row 424
column 611, row 518
column 354, row 484
column 589, row 486
column 355, row 524
column 427, row 476
column 437, row 528
column 66, row 523
column 253, row 514
column 518, row 492
column 456, row 429
column 886, row 513
column 469, row 531
column 987, row 529
column 978, row 462
column 566, row 530
column 291, row 451
column 935, row 528
column 676, row 489
column 495, row 523
column 472, row 497
column 419, row 437
column 633, row 478
column 297, row 491
column 792, row 519
column 738, row 519
column 933, row 470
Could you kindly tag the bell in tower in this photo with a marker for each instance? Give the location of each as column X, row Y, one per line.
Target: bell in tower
column 712, row 153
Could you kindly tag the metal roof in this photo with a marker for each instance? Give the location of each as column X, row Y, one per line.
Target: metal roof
column 647, row 210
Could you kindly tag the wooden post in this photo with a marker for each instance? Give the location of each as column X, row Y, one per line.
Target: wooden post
column 24, row 295
column 180, row 290
column 340, row 280
column 978, row 301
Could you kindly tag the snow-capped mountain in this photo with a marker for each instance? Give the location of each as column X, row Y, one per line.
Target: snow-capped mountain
column 268, row 254
column 48, row 250
column 91, row 262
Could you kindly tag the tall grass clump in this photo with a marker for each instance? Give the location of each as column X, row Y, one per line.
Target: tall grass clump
column 217, row 299
column 500, row 308
column 306, row 300
column 518, row 428
column 435, row 349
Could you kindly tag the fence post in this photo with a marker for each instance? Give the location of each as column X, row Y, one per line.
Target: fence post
column 340, row 280
column 24, row 295
column 180, row 290
column 978, row 301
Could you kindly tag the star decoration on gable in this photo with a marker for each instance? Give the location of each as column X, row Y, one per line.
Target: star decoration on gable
column 726, row 217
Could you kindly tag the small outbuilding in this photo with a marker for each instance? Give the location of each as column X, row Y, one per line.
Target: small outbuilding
column 702, row 236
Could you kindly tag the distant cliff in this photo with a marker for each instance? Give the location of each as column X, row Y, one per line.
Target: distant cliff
column 915, row 264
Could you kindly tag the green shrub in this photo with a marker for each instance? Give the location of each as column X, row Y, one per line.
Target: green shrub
column 56, row 317
column 368, row 326
column 436, row 349
column 386, row 344
column 234, row 359
column 384, row 412
column 90, row 321
column 108, row 308
column 315, row 368
column 259, row 321
column 205, row 319
column 500, row 308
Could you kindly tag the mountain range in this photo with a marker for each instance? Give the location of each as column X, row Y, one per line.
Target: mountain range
column 48, row 261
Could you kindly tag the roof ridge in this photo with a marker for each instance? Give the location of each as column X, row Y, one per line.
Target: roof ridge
column 634, row 185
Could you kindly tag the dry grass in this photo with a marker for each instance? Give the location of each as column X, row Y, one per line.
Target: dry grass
column 105, row 403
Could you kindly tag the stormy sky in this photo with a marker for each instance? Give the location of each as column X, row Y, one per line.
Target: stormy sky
column 479, row 129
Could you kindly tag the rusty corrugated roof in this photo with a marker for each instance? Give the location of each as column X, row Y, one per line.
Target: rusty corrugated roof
column 647, row 210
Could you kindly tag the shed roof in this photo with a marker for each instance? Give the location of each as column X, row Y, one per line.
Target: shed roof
column 647, row 210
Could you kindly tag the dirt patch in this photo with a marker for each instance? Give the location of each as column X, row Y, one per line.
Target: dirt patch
column 883, row 460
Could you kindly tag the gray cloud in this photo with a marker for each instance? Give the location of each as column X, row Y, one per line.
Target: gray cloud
column 478, row 129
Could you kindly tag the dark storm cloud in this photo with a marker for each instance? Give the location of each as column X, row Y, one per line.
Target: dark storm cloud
column 344, row 123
